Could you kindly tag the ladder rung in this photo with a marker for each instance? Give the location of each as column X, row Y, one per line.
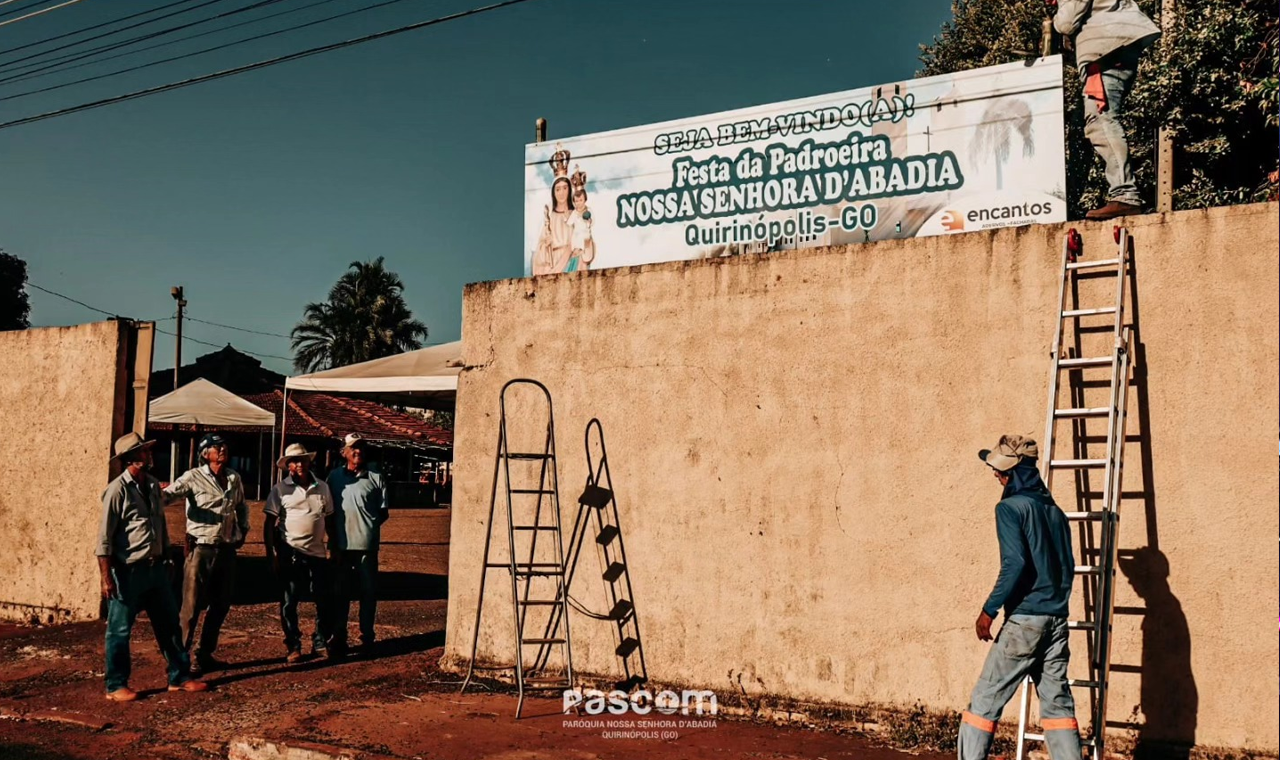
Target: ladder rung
column 1088, row 361
column 595, row 496
column 614, row 571
column 1077, row 464
column 1033, row 737
column 510, row 455
column 1094, row 411
column 1080, row 516
column 1088, row 570
column 533, row 490
column 533, row 527
column 541, row 603
column 1094, row 264
column 1082, row 684
column 524, row 568
column 1088, row 312
column 1081, row 625
column 607, row 535
column 541, row 641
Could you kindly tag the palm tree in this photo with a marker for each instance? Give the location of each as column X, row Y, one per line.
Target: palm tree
column 364, row 318
column 992, row 136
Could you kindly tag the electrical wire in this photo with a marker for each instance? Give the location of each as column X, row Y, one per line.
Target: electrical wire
column 39, row 12
column 255, row 66
column 241, row 329
column 82, row 30
column 79, row 55
column 23, row 8
column 224, row 345
column 215, row 48
column 33, row 75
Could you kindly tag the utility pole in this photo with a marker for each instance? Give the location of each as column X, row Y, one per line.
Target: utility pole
column 1164, row 140
column 176, row 292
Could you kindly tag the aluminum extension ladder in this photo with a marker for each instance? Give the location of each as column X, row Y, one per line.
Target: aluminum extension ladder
column 599, row 504
column 1097, row 527
column 523, row 573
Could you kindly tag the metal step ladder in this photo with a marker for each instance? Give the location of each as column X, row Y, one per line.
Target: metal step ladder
column 1097, row 527
column 599, row 505
column 549, row 571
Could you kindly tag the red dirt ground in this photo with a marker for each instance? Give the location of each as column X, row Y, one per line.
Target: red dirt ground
column 399, row 704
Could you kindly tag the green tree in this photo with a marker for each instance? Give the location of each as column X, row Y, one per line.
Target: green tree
column 365, row 318
column 14, row 306
column 1211, row 82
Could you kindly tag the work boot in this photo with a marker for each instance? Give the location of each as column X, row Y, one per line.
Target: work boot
column 191, row 685
column 294, row 657
column 1112, row 210
column 205, row 663
column 122, row 694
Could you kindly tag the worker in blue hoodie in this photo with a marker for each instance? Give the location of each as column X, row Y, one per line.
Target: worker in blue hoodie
column 1034, row 590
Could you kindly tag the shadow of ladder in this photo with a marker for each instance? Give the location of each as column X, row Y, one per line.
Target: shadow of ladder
column 1098, row 528
column 598, row 505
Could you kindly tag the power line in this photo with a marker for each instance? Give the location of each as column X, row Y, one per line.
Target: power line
column 171, row 59
column 77, row 55
column 39, row 12
column 241, row 329
column 255, row 66
column 215, row 345
column 72, row 300
column 23, row 8
column 82, row 30
column 33, row 75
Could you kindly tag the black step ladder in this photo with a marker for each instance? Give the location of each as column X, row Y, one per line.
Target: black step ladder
column 1097, row 527
column 599, row 505
column 549, row 571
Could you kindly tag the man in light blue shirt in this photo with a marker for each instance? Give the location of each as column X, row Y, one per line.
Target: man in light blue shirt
column 360, row 509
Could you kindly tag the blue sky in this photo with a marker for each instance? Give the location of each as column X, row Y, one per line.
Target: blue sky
column 256, row 191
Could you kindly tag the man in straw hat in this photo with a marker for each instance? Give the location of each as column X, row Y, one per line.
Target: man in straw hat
column 217, row 524
column 299, row 519
column 1034, row 589
column 132, row 545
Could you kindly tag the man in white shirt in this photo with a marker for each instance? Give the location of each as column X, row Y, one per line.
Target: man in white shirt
column 299, row 519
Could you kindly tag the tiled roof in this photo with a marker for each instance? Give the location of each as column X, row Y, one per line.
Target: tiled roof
column 323, row 415
column 320, row 415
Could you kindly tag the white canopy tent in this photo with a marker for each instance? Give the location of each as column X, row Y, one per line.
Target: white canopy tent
column 424, row 379
column 201, row 402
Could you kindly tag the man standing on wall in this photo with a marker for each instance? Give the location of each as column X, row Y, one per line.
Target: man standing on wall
column 133, row 543
column 1034, row 588
column 217, row 524
column 299, row 517
column 1109, row 37
column 360, row 503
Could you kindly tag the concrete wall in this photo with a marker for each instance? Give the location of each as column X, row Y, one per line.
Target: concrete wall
column 793, row 447
column 62, row 399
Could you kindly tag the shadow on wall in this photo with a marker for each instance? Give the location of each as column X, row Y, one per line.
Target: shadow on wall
column 1170, row 700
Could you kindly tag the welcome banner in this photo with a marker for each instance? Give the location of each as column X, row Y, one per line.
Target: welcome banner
column 941, row 155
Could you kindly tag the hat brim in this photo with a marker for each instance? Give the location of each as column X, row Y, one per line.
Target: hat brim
column 999, row 462
column 143, row 445
column 283, row 462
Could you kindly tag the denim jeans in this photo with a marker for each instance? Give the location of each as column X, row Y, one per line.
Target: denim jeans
column 143, row 587
column 1103, row 129
column 208, row 582
column 359, row 579
column 1027, row 645
column 300, row 574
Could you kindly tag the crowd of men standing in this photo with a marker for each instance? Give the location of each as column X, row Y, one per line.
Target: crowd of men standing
column 321, row 537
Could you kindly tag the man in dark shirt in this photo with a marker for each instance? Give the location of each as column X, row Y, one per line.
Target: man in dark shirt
column 1034, row 589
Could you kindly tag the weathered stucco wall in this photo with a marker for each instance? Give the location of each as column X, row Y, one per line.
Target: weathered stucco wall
column 60, row 400
column 793, row 437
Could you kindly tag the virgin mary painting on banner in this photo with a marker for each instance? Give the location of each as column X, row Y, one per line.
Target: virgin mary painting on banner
column 565, row 243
